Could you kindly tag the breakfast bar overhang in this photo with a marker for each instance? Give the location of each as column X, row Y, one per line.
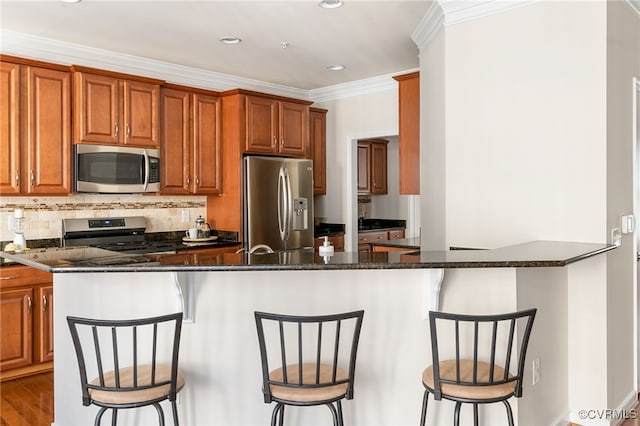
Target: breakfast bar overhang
column 219, row 353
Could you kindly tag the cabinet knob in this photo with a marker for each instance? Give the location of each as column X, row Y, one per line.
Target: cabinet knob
column 188, row 181
column 33, row 178
column 17, row 177
column 29, row 303
column 128, row 130
column 282, row 141
column 44, row 303
column 275, row 141
column 116, row 129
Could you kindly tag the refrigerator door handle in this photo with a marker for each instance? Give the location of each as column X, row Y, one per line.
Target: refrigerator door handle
column 282, row 207
column 289, row 204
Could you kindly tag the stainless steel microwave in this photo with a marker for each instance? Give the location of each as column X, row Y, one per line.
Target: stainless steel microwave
column 113, row 169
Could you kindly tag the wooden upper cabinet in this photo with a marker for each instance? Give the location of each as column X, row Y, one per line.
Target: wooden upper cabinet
column 262, row 125
column 318, row 143
column 113, row 110
column 191, row 142
column 364, row 166
column 175, row 113
column 379, row 167
column 35, row 139
column 372, row 166
column 10, row 128
column 276, row 127
column 294, row 129
column 207, row 164
column 48, row 131
column 409, row 138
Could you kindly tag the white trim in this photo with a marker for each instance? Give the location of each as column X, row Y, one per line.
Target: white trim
column 64, row 53
column 43, row 49
column 456, row 11
column 431, row 23
column 357, row 88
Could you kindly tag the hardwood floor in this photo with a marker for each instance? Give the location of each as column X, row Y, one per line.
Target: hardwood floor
column 27, row 401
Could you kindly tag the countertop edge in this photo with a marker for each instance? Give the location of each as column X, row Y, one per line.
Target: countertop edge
column 497, row 258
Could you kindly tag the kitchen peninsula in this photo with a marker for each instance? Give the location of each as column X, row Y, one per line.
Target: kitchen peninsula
column 219, row 353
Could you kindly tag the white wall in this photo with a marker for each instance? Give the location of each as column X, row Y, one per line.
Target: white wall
column 623, row 64
column 350, row 119
column 525, row 122
column 524, row 138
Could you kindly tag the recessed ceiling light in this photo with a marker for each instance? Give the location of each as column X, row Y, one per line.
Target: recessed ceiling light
column 230, row 40
column 336, row 67
column 331, row 4
column 70, row 1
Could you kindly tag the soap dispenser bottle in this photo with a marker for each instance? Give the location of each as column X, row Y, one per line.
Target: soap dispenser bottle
column 326, row 249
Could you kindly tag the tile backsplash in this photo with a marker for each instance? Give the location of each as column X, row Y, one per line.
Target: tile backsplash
column 44, row 214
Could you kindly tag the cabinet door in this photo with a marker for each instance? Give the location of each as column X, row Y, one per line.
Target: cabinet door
column 378, row 168
column 294, row 129
column 47, row 135
column 409, row 138
column 16, row 326
column 43, row 329
column 96, row 109
column 364, row 162
column 9, row 128
column 206, row 141
column 140, row 113
column 175, row 146
column 318, row 142
column 262, row 125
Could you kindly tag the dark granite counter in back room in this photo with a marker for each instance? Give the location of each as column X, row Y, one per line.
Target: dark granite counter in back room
column 526, row 255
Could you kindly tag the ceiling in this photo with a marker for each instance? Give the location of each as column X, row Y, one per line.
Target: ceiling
column 370, row 38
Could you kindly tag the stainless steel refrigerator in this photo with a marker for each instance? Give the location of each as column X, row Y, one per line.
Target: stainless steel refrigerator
column 278, row 203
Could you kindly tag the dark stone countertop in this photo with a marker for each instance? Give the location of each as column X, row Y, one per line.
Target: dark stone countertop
column 328, row 229
column 370, row 225
column 408, row 243
column 530, row 254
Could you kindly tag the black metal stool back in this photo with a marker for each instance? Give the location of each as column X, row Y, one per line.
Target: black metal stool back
column 484, row 358
column 308, row 360
column 128, row 363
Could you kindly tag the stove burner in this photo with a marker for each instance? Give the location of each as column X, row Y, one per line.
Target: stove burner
column 133, row 247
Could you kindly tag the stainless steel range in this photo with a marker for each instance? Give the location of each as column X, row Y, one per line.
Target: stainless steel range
column 121, row 234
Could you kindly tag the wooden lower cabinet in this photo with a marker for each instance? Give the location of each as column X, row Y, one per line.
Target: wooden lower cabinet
column 365, row 239
column 196, row 256
column 26, row 322
column 337, row 241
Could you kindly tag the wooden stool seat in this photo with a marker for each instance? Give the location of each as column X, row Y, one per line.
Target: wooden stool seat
column 309, row 394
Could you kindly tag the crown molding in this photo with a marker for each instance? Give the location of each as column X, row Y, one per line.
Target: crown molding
column 357, row 88
column 635, row 4
column 64, row 53
column 449, row 12
column 456, row 11
column 429, row 25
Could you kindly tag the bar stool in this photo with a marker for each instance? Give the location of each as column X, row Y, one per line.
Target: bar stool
column 484, row 375
column 135, row 363
column 314, row 359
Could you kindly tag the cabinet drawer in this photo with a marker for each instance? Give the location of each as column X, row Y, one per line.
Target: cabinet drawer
column 16, row 276
column 396, row 234
column 372, row 237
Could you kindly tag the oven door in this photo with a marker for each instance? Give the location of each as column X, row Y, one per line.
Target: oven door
column 116, row 169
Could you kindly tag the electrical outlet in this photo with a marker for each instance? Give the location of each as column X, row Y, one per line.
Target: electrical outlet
column 536, row 370
column 185, row 215
column 616, row 237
